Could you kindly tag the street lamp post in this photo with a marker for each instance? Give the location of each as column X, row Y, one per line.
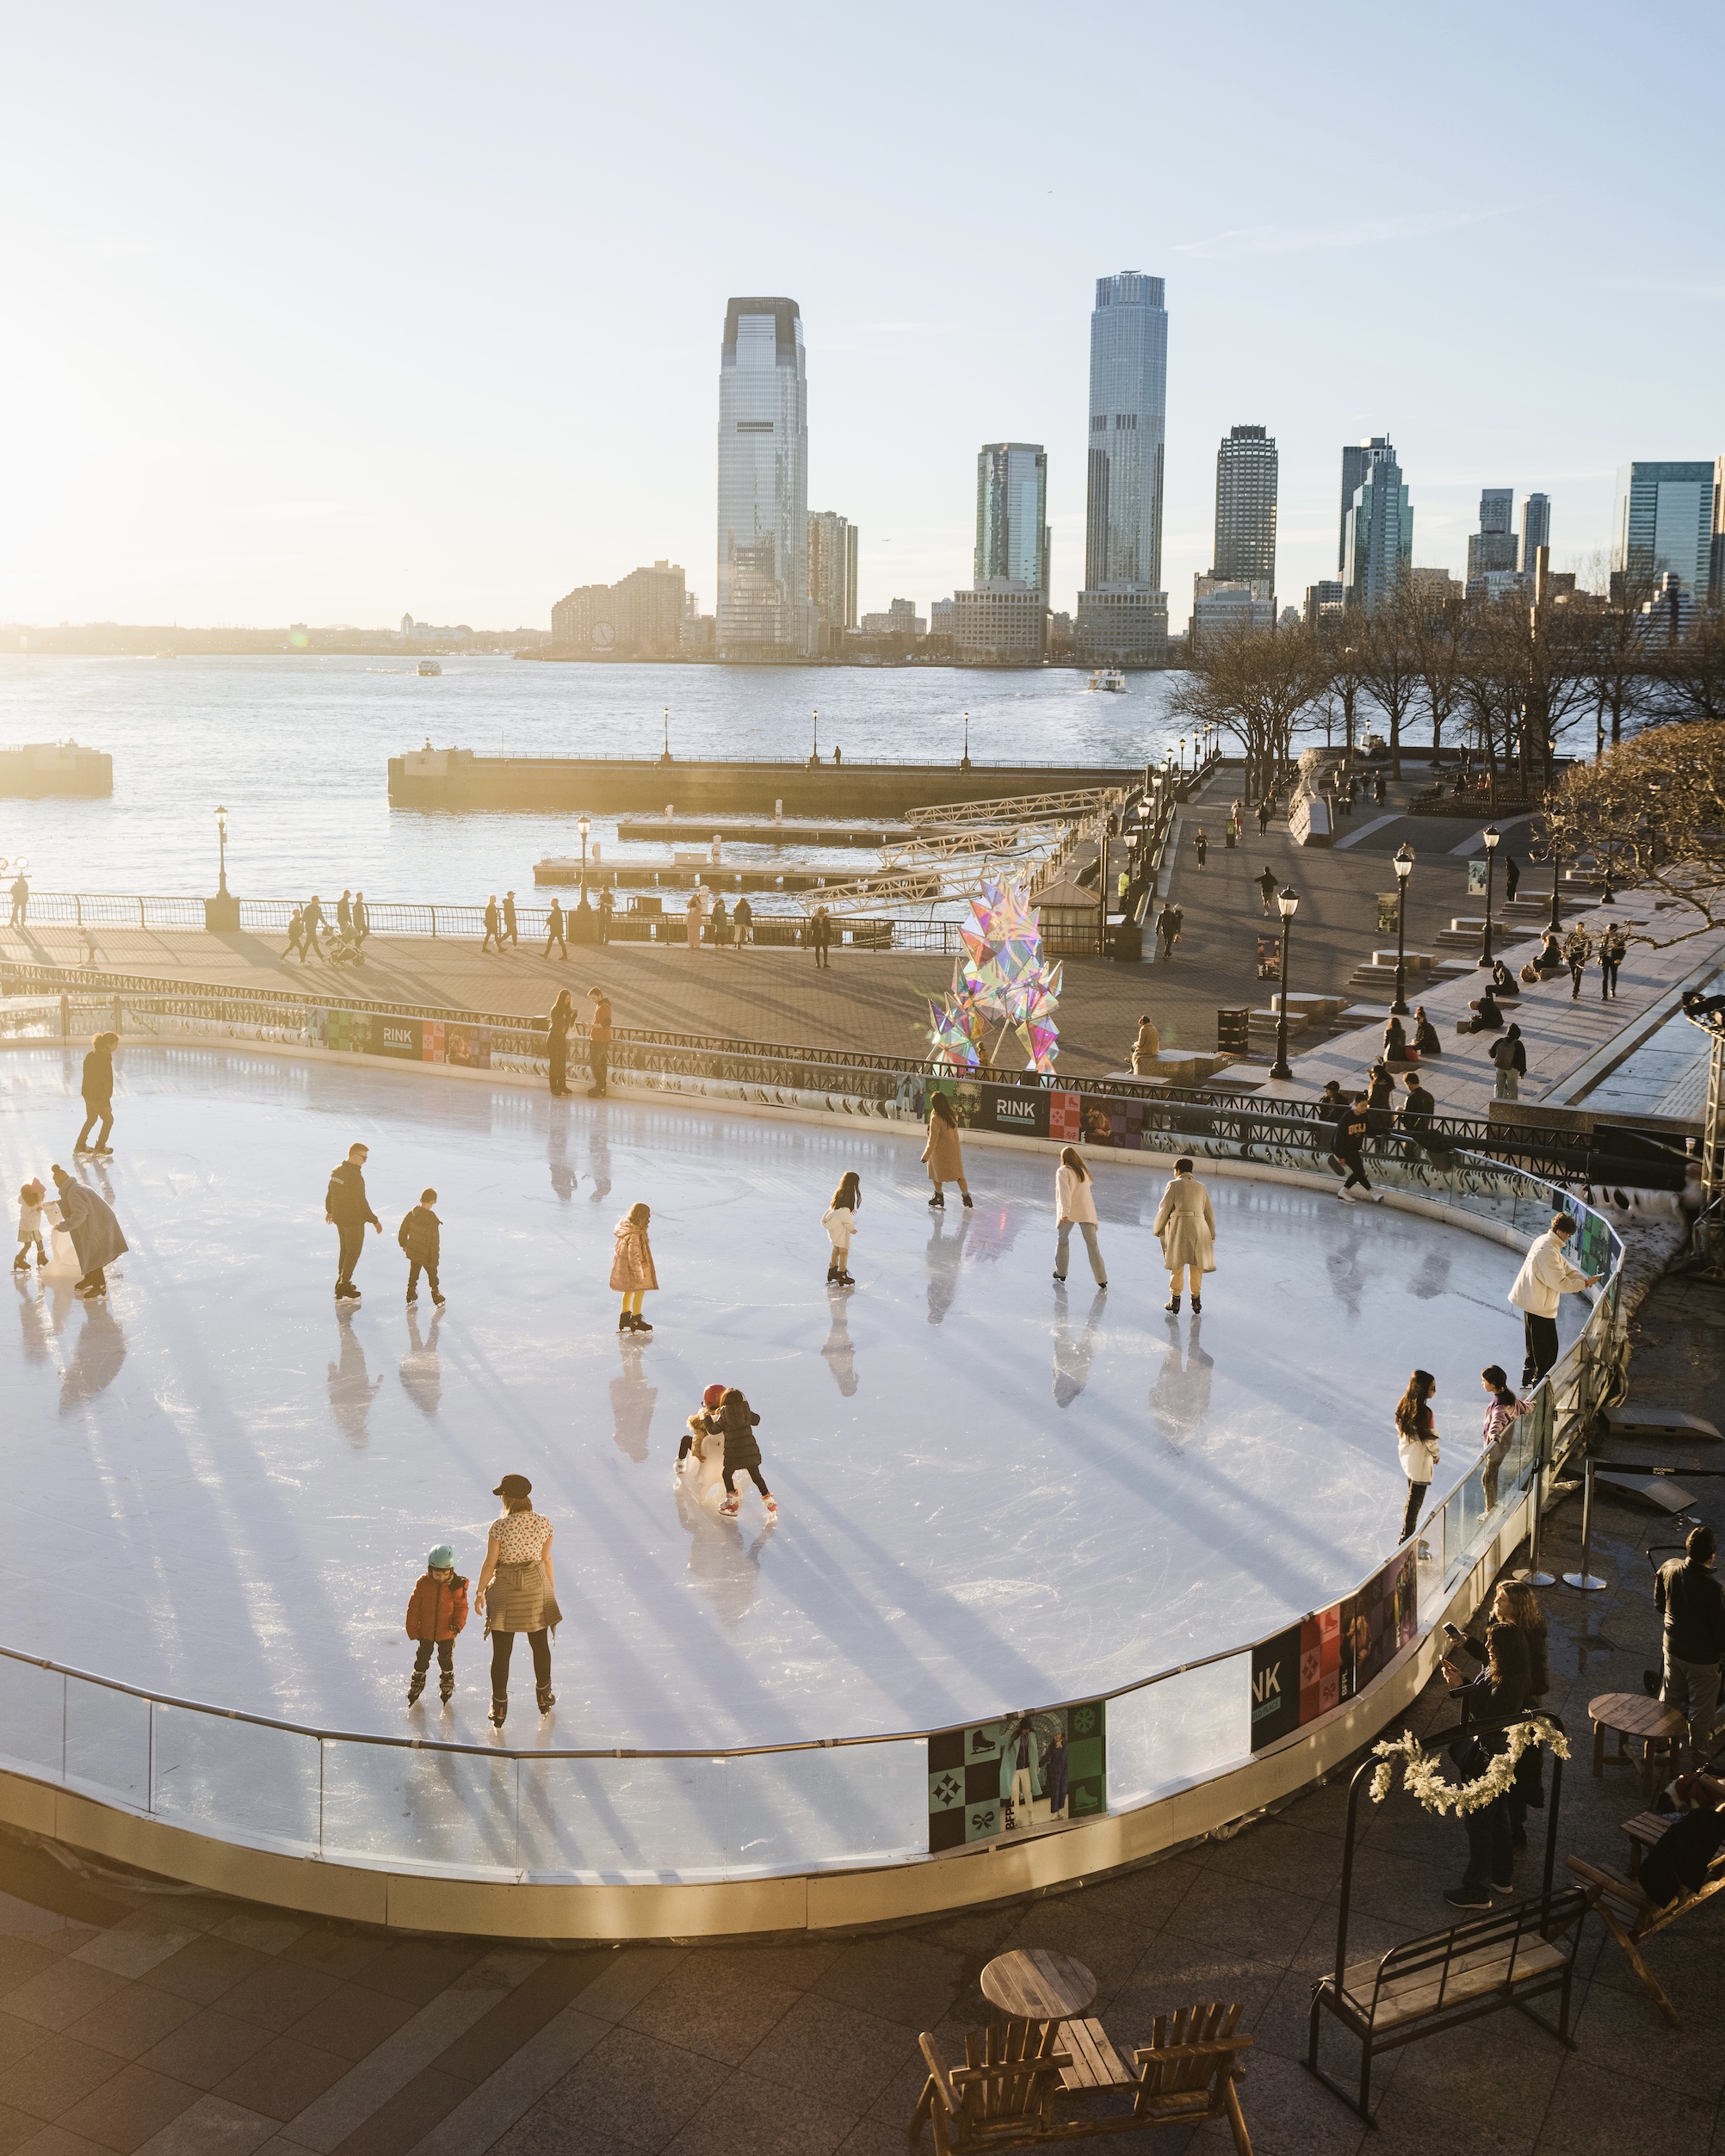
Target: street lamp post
column 665, row 753
column 814, row 753
column 222, row 912
column 1404, row 870
column 964, row 761
column 1492, row 834
column 1556, row 884
column 222, row 840
column 1288, row 904
column 582, row 926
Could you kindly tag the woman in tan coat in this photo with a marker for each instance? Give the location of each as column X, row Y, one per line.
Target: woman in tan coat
column 1146, row 1048
column 632, row 1268
column 945, row 1161
column 1187, row 1228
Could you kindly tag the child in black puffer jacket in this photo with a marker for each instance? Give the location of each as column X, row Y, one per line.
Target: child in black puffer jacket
column 742, row 1453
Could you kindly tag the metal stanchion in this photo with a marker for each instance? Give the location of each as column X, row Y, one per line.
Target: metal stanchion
column 1587, row 1581
column 1532, row 1576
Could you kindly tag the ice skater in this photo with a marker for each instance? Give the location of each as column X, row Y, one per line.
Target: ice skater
column 94, row 1231
column 1503, row 1409
column 420, row 1236
column 839, row 1220
column 557, row 1027
column 1351, row 1133
column 1416, row 1445
column 1185, row 1224
column 31, row 1195
column 742, row 1453
column 599, row 1043
column 703, row 1429
column 97, row 1088
column 436, row 1611
column 632, row 1273
column 942, row 1154
column 347, row 1209
column 1546, row 1276
column 1075, row 1205
column 518, row 1593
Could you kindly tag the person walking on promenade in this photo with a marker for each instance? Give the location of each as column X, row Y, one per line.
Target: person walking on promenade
column 1578, row 948
column 347, row 1208
column 362, row 918
column 742, row 1453
column 942, row 1154
column 296, row 934
column 1264, row 814
column 30, row 1197
column 1503, row 1411
column 1146, row 1048
column 1416, row 1436
column 1510, row 1054
column 344, row 913
column 839, row 1220
column 608, row 906
column 94, row 1231
column 1350, row 1142
column 599, row 1044
column 508, row 922
column 1185, row 1226
column 554, row 931
column 1200, row 844
column 1236, row 821
column 311, row 945
column 420, row 1236
column 744, row 914
column 1511, row 877
column 1266, row 891
column 1075, row 1202
column 1425, row 1040
column 96, row 1085
column 21, row 899
column 517, row 1592
column 557, row 1025
column 821, row 937
column 1546, row 1274
column 493, row 927
column 1692, row 1604
column 632, row 1268
column 1613, row 949
column 436, row 1612
column 1170, row 928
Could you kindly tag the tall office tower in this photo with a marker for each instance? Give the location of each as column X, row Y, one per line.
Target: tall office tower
column 1012, row 515
column 832, row 576
column 1715, row 590
column 1535, row 529
column 1664, row 521
column 764, row 611
column 1356, row 460
column 1246, row 510
column 1379, row 540
column 1492, row 547
column 1122, row 609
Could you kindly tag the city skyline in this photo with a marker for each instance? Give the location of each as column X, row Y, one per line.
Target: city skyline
column 295, row 346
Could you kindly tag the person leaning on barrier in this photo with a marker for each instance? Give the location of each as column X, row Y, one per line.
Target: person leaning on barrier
column 1546, row 1274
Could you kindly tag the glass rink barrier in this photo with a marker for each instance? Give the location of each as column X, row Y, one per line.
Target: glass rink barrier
column 552, row 1815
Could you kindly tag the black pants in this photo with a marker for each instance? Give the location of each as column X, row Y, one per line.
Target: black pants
column 599, row 1062
column 1541, row 1335
column 1608, row 978
column 820, row 957
column 1410, row 1518
column 503, row 1644
column 1490, row 1843
column 559, row 1066
column 96, row 1112
column 754, row 1475
column 556, row 937
column 1355, row 1164
column 446, row 1657
column 352, row 1233
column 1575, row 974
column 490, row 937
column 415, row 1265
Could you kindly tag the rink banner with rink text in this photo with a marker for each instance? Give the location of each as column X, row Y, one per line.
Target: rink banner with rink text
column 414, row 1040
column 1035, row 1109
column 1314, row 1666
column 971, row 1773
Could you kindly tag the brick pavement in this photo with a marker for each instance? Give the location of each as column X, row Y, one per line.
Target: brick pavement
column 173, row 2024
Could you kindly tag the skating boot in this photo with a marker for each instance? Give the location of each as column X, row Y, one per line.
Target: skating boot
column 966, row 1201
column 446, row 1687
column 730, row 1509
column 415, row 1685
column 772, row 1505
column 1173, row 1304
column 547, row 1699
column 499, row 1710
column 1198, row 1305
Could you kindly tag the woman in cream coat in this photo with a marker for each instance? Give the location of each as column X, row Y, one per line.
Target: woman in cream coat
column 1187, row 1228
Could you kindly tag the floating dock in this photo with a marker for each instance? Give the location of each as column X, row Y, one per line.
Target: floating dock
column 55, row 766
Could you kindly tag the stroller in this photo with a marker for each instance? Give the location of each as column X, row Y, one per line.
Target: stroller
column 343, row 949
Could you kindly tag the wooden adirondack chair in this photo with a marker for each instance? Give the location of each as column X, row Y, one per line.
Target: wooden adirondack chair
column 1189, row 2071
column 1632, row 1919
column 1001, row 2097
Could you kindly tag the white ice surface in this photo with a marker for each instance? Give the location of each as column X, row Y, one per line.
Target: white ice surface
column 994, row 1495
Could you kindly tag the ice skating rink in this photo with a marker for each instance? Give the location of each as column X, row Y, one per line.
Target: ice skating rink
column 994, row 1495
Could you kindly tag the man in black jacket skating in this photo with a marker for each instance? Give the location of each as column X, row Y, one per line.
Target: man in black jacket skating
column 347, row 1208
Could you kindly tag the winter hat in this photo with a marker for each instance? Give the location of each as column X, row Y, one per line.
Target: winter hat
column 712, row 1395
column 513, row 1485
column 440, row 1557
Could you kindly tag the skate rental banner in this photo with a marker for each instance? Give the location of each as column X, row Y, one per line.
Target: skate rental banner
column 978, row 1790
column 1034, row 1110
column 1302, row 1673
column 412, row 1040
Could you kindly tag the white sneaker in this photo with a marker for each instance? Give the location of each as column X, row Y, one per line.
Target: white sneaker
column 1345, row 1196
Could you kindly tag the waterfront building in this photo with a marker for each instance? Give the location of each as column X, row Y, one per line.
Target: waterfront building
column 1501, row 583
column 1492, row 547
column 1325, row 600
column 640, row 617
column 901, row 619
column 833, row 543
column 1715, row 590
column 940, row 618
column 1225, row 606
column 1665, row 522
column 1380, row 535
column 1669, row 615
column 1245, row 509
column 1012, row 515
column 1003, row 622
column 1123, row 615
column 1355, row 457
column 764, row 611
column 1536, row 528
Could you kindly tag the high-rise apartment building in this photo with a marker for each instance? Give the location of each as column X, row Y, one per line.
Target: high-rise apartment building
column 1717, row 587
column 1665, row 522
column 764, row 611
column 1535, row 529
column 1246, row 510
column 1122, row 609
column 1378, row 549
column 640, row 617
column 1002, row 622
column 1492, row 547
column 1012, row 515
column 1325, row 600
column 1356, row 458
column 832, row 576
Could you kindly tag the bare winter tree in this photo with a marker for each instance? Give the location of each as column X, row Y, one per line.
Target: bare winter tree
column 1610, row 619
column 1389, row 663
column 1341, row 645
column 1256, row 687
column 1687, row 677
column 1435, row 627
column 1654, row 809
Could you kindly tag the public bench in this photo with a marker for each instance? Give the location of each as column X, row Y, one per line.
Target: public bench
column 1627, row 1915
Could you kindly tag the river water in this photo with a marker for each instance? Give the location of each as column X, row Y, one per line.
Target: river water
column 297, row 749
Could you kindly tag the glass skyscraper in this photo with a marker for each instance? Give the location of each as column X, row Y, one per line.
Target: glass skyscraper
column 1012, row 515
column 1122, row 609
column 1535, row 529
column 1246, row 510
column 764, row 611
column 1665, row 522
column 1378, row 540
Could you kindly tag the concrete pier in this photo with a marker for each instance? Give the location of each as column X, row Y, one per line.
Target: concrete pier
column 38, row 768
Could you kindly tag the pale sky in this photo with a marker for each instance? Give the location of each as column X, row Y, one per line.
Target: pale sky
column 331, row 313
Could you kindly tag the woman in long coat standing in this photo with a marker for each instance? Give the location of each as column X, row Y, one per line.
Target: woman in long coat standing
column 945, row 1160
column 632, row 1268
column 1186, row 1225
column 94, row 1232
column 517, row 1593
column 557, row 1039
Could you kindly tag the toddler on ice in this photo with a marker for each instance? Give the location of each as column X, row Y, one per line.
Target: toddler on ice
column 419, row 1236
column 30, row 1197
column 435, row 1613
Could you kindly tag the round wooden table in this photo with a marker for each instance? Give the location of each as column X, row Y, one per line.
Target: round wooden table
column 1036, row 1984
column 1660, row 1729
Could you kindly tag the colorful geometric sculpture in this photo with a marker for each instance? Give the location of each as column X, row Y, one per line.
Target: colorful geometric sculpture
column 1004, row 979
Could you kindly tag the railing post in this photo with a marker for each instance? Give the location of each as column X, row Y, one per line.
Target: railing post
column 1533, row 1577
column 65, row 1017
column 1586, row 1580
column 150, row 1764
column 434, row 920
